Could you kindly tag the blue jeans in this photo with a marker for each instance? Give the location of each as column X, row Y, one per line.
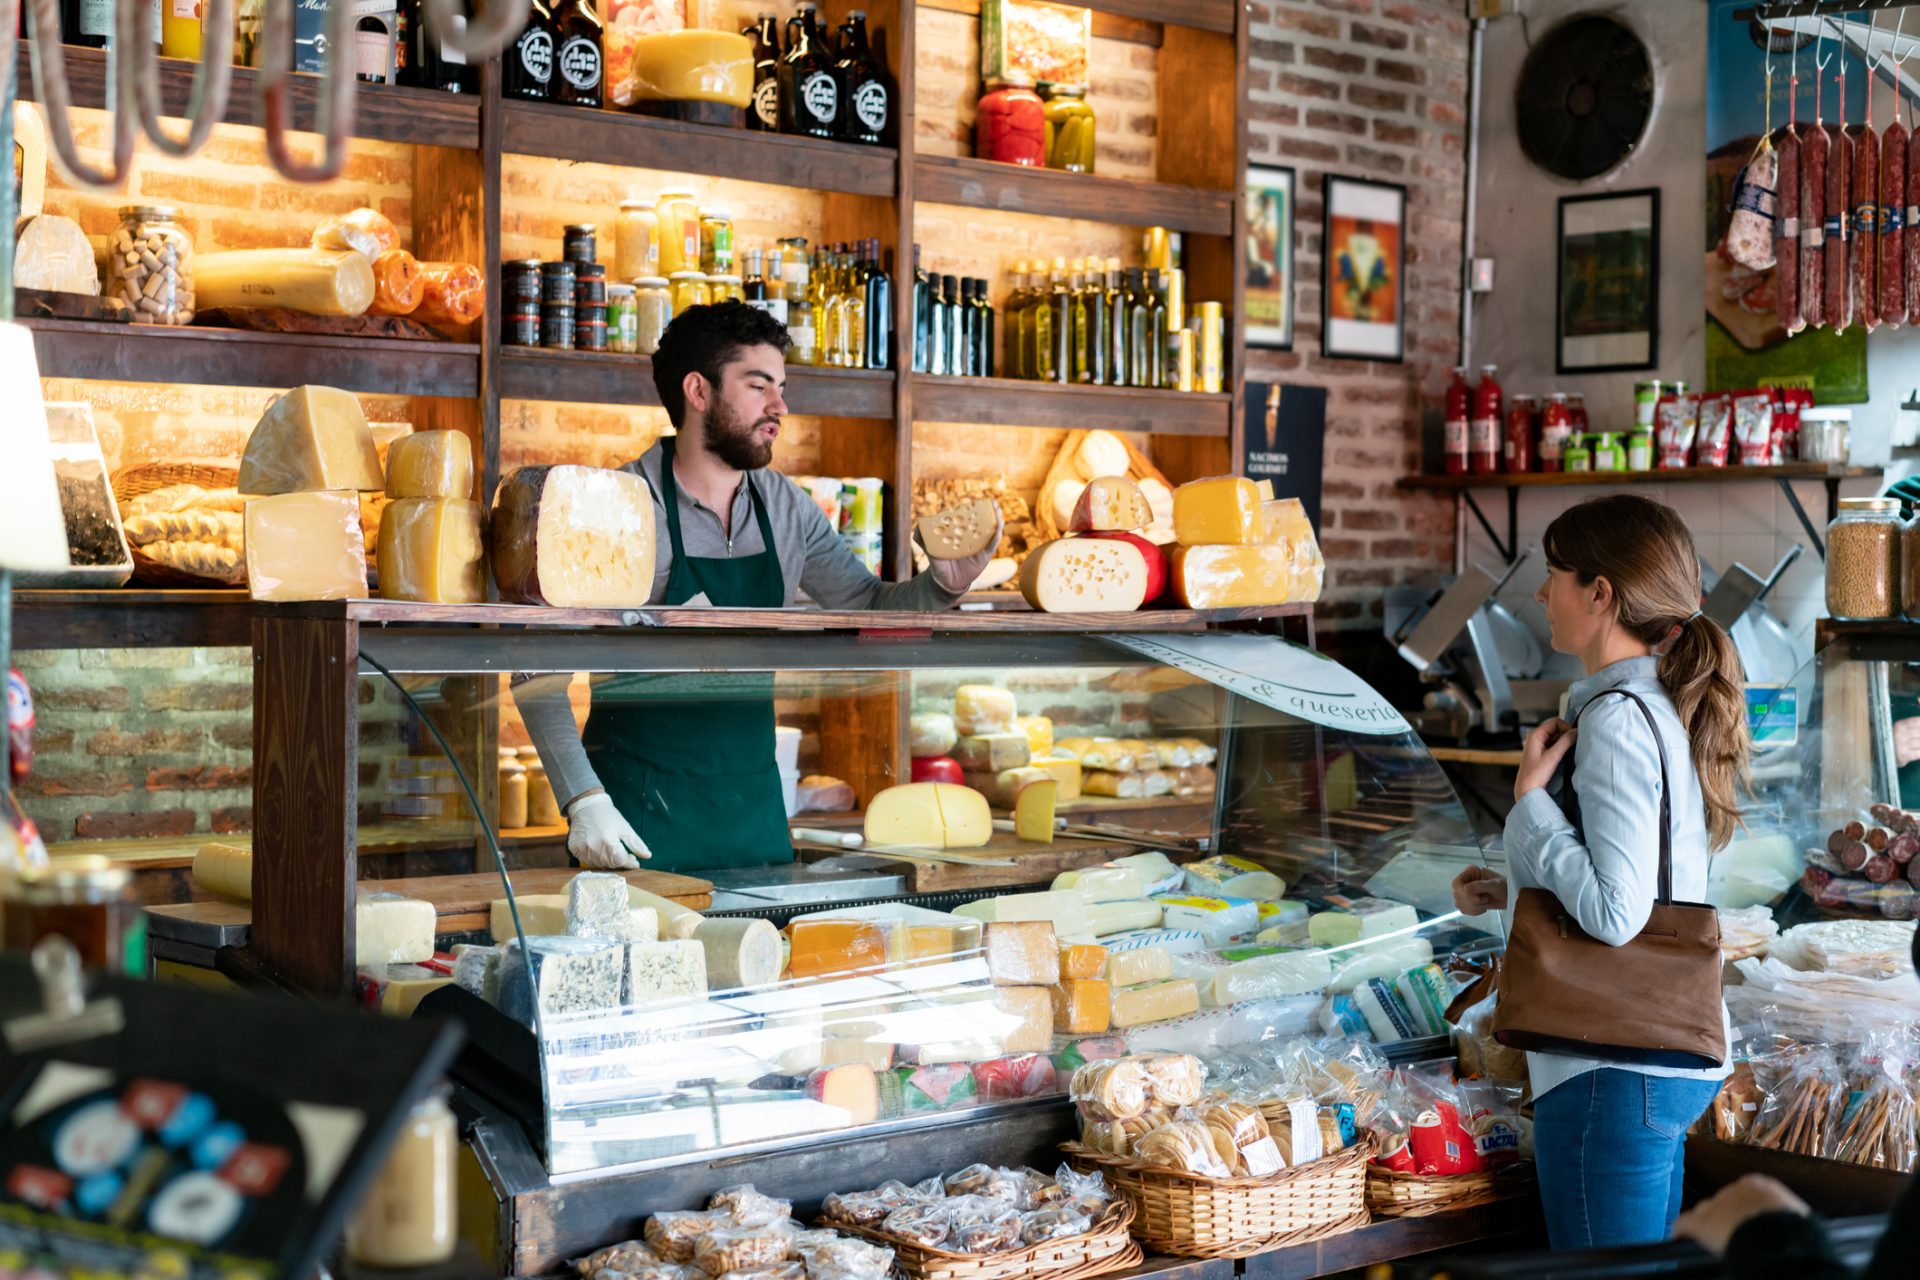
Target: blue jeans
column 1609, row 1145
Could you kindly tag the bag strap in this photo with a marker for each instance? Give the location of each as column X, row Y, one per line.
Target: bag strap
column 1665, row 895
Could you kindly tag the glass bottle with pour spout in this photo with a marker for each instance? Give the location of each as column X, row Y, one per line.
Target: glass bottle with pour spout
column 764, row 112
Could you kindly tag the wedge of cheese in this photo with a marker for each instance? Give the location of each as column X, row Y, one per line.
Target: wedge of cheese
column 574, row 537
column 430, row 464
column 961, row 531
column 1064, row 770
column 933, row 815
column 311, row 438
column 1084, row 575
column 1110, row 503
column 1003, row 788
column 306, row 546
column 1223, row 509
column 1034, row 805
column 1227, row 577
column 1284, row 522
column 429, row 549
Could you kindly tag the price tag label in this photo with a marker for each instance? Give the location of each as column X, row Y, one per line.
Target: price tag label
column 1262, row 1158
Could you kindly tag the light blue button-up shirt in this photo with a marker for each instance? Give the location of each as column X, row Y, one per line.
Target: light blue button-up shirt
column 1606, row 869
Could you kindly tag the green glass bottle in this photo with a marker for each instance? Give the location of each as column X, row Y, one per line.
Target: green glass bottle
column 1013, row 320
column 1116, row 326
column 1082, row 322
column 1039, row 329
column 1060, row 304
column 1140, row 333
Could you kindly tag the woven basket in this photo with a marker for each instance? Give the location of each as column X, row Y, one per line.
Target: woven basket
column 1108, row 1247
column 1392, row 1193
column 1195, row 1217
column 149, row 476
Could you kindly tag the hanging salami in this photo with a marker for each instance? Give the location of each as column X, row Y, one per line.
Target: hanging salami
column 1750, row 230
column 1893, row 237
column 1786, row 237
column 1814, row 145
column 1839, row 270
column 1913, row 221
column 1864, row 252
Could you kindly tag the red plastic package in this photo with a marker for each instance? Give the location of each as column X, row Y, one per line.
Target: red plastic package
column 1713, row 432
column 1675, row 421
column 1028, row 1075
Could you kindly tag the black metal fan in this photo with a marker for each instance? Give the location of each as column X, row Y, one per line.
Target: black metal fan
column 1584, row 97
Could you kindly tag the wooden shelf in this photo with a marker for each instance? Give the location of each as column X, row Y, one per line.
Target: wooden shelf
column 1012, row 188
column 1827, row 630
column 241, row 358
column 131, row 618
column 643, row 142
column 1202, row 15
column 1013, row 403
column 531, row 373
column 1679, row 475
column 424, row 117
column 399, row 612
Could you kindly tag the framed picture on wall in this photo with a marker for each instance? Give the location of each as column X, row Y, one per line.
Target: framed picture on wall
column 1363, row 294
column 1607, row 300
column 1269, row 318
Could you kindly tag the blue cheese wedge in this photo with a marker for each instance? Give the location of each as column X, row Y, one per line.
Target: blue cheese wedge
column 564, row 975
column 477, row 969
column 664, row 971
column 598, row 907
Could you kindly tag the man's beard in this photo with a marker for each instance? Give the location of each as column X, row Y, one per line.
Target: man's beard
column 734, row 441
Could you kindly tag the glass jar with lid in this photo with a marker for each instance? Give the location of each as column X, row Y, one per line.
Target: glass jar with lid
column 409, row 1215
column 623, row 320
column 1011, row 122
column 1863, row 559
column 677, row 232
column 716, row 242
column 150, row 265
column 1825, row 434
column 686, row 289
column 513, row 791
column 726, row 288
column 635, row 253
column 653, row 308
column 1070, row 128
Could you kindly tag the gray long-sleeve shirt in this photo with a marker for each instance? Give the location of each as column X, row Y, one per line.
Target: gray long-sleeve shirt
column 812, row 559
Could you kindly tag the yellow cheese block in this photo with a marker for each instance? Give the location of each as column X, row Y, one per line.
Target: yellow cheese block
column 1064, row 770
column 430, row 464
column 1027, row 1017
column 401, row 996
column 321, row 282
column 430, row 549
column 1082, row 1006
column 391, row 929
column 306, row 546
column 311, row 438
column 992, row 752
column 1002, row 788
column 822, row 947
column 1223, row 509
column 1140, row 965
column 935, row 815
column 1082, row 960
column 1022, row 953
column 225, row 869
column 1155, row 1002
column 692, row 66
column 1284, row 522
column 1033, row 809
column 1227, row 577
column 982, row 708
column 1039, row 731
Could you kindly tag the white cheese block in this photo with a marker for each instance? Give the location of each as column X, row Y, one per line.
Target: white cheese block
column 930, row 733
column 1221, row 921
column 1229, row 877
column 664, row 971
column 1143, row 964
column 1155, row 1002
column 1285, row 973
column 1084, row 575
column 565, row 976
column 541, row 915
column 1162, row 874
column 1104, row 884
column 960, row 531
column 676, row 919
column 391, row 929
column 1180, row 942
column 306, row 546
column 1124, row 917
column 311, row 438
column 1065, row 911
column 740, row 953
column 598, row 907
column 573, row 537
column 1379, row 960
column 1361, row 919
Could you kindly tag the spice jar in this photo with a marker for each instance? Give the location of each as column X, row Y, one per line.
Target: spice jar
column 686, row 289
column 654, row 308
column 1011, row 123
column 1070, row 128
column 1863, row 559
column 634, row 251
column 86, row 900
column 513, row 791
column 623, row 320
column 726, row 288
column 716, row 242
column 150, row 266
column 409, row 1215
column 677, row 233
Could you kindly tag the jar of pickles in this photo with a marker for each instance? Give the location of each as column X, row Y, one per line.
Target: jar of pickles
column 653, row 308
column 726, row 288
column 1011, row 123
column 623, row 320
column 1069, row 128
column 686, row 289
column 150, row 265
column 634, row 252
column 716, row 242
column 677, row 232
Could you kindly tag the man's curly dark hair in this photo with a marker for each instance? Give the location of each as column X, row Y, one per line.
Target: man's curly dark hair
column 704, row 340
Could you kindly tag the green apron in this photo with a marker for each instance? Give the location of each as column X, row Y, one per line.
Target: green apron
column 688, row 759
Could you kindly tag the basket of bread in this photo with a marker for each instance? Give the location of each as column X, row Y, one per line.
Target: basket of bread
column 1208, row 1173
column 984, row 1223
column 741, row 1233
column 185, row 524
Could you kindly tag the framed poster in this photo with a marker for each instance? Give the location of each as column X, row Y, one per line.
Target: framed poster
column 1285, row 438
column 1363, row 295
column 1269, row 318
column 1607, row 299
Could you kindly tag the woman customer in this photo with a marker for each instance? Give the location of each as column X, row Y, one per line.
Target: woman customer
column 1623, row 595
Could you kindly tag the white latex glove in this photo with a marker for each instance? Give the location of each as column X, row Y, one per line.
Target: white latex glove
column 957, row 576
column 600, row 838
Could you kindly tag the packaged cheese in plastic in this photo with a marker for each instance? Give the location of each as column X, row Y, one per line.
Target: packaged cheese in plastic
column 365, row 231
column 1230, row 577
column 312, row 437
column 430, row 550
column 430, row 464
column 452, row 294
column 321, row 282
column 397, row 285
column 688, row 66
column 1223, row 509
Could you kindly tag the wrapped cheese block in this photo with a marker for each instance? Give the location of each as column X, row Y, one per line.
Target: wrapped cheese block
column 573, row 537
column 430, row 464
column 452, row 294
column 1022, row 953
column 1110, row 503
column 1284, row 521
column 321, row 282
column 981, row 708
column 992, row 752
column 430, row 550
column 1066, row 912
column 1082, row 960
column 930, row 733
column 818, row 793
column 389, row 928
column 311, row 438
column 364, row 231
column 1039, row 731
column 1099, row 753
column 1224, row 509
column 306, row 546
column 1084, row 575
column 225, row 868
column 1028, row 1020
column 690, row 66
column 1155, row 1002
column 1064, row 770
column 397, row 285
column 1082, row 1006
column 1228, row 577
column 1104, row 884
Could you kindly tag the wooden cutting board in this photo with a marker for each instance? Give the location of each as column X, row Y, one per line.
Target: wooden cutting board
column 463, row 902
column 1034, row 863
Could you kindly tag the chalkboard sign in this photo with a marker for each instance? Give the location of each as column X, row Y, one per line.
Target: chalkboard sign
column 1286, row 437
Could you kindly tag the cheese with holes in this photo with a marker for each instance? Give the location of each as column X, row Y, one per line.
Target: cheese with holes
column 1066, row 912
column 1004, row 787
column 930, row 733
column 1082, row 1006
column 992, row 752
column 982, row 708
column 1034, row 805
column 1227, row 577
column 740, row 952
column 1155, row 1002
column 1084, row 575
column 391, row 929
column 959, row 532
column 225, row 869
column 311, row 438
column 1109, row 503
column 822, row 947
column 562, row 976
column 671, row 970
column 580, row 537
column 306, row 546
column 320, row 282
column 1104, row 884
column 1039, row 731
column 1139, row 966
column 1022, row 953
column 1027, row 1018
column 430, row 464
column 935, row 815
column 1082, row 960
column 1224, row 509
column 429, row 549
column 1064, row 770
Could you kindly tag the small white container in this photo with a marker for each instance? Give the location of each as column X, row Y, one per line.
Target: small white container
column 786, row 749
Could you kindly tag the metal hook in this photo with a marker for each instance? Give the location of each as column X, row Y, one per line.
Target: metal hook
column 212, row 81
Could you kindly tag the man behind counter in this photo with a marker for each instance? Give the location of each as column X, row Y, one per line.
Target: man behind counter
column 697, row 773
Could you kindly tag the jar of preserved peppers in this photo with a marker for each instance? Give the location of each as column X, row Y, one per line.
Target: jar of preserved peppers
column 1069, row 128
column 1011, row 125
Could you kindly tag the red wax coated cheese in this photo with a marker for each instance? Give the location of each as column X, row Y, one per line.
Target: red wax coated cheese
column 1152, row 553
column 937, row 769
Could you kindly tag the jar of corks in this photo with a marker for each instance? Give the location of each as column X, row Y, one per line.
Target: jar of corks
column 1863, row 559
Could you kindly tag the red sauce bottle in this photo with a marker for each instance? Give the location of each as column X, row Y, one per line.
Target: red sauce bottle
column 1518, row 447
column 1459, row 410
column 1556, row 425
column 1483, row 429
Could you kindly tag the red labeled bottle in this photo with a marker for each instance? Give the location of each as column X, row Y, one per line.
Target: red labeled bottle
column 1556, row 425
column 1517, row 447
column 1459, row 410
column 1483, row 428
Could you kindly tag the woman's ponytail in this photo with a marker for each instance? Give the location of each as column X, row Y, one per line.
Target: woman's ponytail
column 1702, row 673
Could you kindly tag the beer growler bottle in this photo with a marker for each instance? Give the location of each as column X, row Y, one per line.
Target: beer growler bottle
column 577, row 79
column 764, row 112
column 809, row 90
column 866, row 100
column 527, row 68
